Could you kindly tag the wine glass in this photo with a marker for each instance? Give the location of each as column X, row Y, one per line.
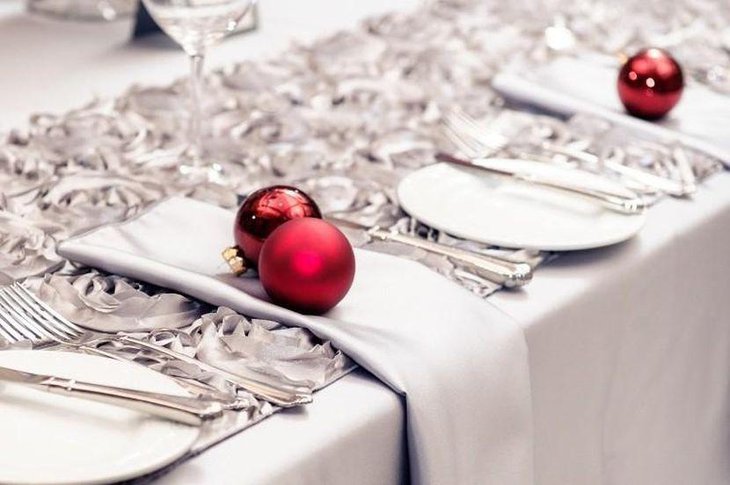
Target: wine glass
column 196, row 25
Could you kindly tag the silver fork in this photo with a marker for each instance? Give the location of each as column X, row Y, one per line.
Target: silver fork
column 23, row 316
column 482, row 143
column 13, row 329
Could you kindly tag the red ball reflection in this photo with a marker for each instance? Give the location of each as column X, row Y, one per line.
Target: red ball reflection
column 265, row 210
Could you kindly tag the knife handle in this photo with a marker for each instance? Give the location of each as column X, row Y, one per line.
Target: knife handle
column 494, row 269
column 181, row 409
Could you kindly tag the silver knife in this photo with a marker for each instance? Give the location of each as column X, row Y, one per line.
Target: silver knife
column 669, row 186
column 608, row 199
column 187, row 410
column 497, row 270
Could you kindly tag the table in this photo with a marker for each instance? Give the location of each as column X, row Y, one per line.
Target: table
column 629, row 346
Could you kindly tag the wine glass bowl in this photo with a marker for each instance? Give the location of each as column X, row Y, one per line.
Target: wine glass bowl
column 197, row 25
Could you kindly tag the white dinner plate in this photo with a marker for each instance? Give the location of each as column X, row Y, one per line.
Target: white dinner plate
column 52, row 439
column 475, row 205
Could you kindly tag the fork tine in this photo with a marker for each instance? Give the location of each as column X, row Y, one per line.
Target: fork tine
column 8, row 330
column 17, row 320
column 463, row 123
column 28, row 319
column 54, row 331
column 12, row 323
column 465, row 133
column 48, row 325
column 459, row 140
column 464, row 118
column 4, row 334
column 469, row 127
column 14, row 316
column 487, row 140
column 62, row 322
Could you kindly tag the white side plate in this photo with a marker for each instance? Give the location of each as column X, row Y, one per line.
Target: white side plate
column 475, row 205
column 51, row 439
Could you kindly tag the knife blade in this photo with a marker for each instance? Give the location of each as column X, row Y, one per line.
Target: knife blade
column 181, row 409
column 498, row 270
column 617, row 202
column 21, row 377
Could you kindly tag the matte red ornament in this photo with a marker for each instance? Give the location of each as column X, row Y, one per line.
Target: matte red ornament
column 265, row 210
column 307, row 265
column 650, row 84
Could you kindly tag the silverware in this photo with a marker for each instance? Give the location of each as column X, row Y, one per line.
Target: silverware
column 196, row 388
column 672, row 187
column 281, row 394
column 500, row 271
column 686, row 174
column 477, row 142
column 187, row 410
column 613, row 201
column 23, row 316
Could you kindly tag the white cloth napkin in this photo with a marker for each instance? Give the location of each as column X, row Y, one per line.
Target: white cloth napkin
column 570, row 85
column 460, row 364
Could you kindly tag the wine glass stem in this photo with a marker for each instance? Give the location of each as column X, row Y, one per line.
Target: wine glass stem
column 196, row 111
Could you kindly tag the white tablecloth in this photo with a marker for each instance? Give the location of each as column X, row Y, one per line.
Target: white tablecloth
column 629, row 346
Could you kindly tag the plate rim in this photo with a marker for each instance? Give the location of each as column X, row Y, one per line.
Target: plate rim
column 606, row 242
column 112, row 477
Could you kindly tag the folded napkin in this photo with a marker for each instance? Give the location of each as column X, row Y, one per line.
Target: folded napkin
column 460, row 364
column 570, row 85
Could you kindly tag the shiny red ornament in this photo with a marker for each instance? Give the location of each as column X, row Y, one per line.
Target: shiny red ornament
column 265, row 210
column 307, row 265
column 650, row 84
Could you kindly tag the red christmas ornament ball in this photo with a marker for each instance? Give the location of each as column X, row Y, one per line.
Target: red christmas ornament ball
column 265, row 210
column 650, row 84
column 307, row 265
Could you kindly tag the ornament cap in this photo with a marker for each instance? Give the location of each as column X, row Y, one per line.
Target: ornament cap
column 234, row 257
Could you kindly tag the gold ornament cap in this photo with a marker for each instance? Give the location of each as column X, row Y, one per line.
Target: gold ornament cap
column 234, row 257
